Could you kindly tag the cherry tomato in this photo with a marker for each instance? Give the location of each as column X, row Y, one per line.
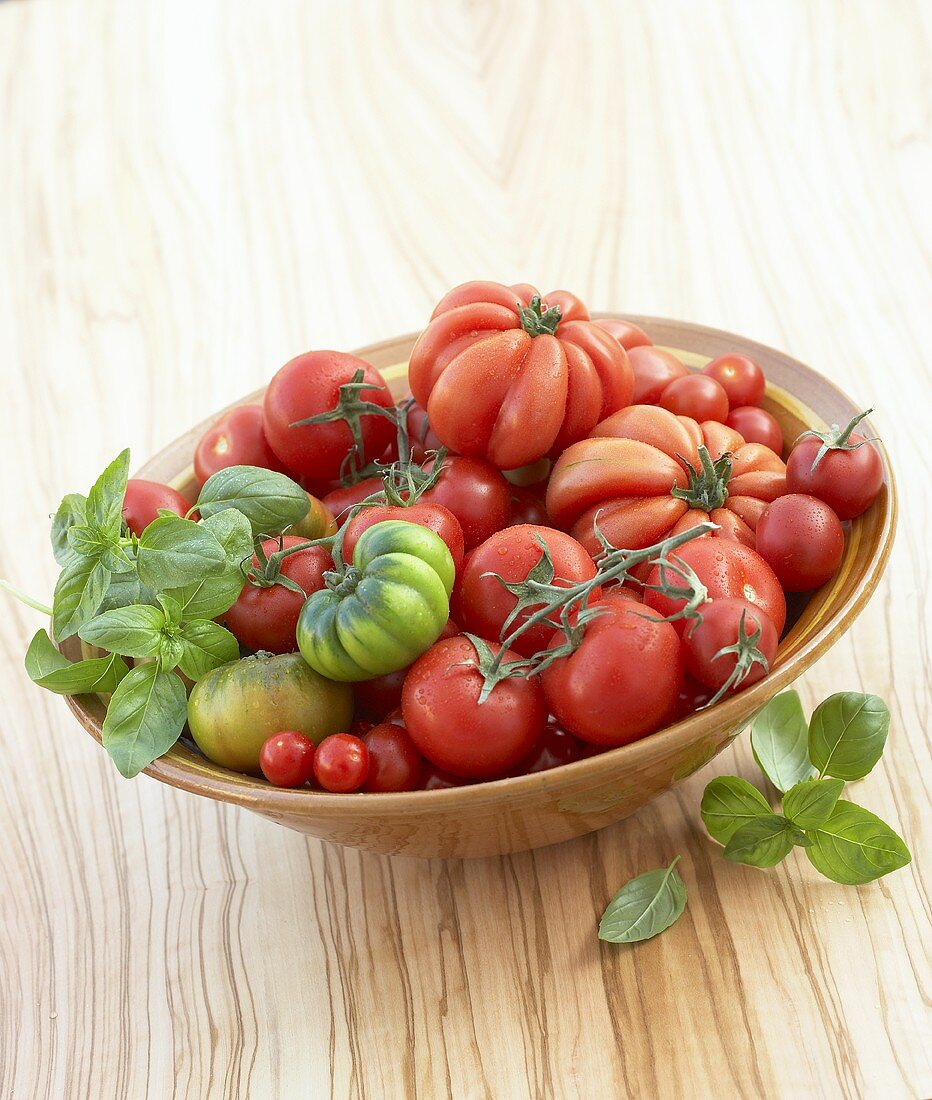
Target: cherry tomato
column 394, row 762
column 287, row 759
column 265, row 616
column 802, row 540
column 628, row 334
column 847, row 480
column 527, row 507
column 341, row 763
column 741, row 379
column 309, row 385
column 622, row 682
column 555, row 748
column 144, row 499
column 483, row 603
column 721, row 628
column 697, row 396
column 476, row 493
column 433, row 516
column 757, row 426
column 237, row 439
column 446, row 721
column 339, row 501
column 654, row 370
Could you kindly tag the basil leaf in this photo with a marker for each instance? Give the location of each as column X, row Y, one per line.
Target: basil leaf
column 134, row 631
column 763, row 842
column 173, row 549
column 126, row 589
column 779, row 741
column 847, row 733
column 87, row 541
column 729, row 803
column 172, row 609
column 71, row 512
column 51, row 670
column 78, row 594
column 644, row 907
column 145, row 718
column 105, row 500
column 170, row 652
column 211, row 596
column 269, row 500
column 809, row 804
column 206, row 646
column 854, row 846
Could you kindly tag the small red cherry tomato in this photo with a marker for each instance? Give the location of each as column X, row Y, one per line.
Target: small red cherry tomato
column 757, row 426
column 726, row 623
column 144, row 499
column 628, row 334
column 237, row 439
column 341, row 763
column 802, row 540
column 847, row 477
column 654, row 369
column 433, row 516
column 287, row 759
column 394, row 762
column 697, row 396
column 476, row 493
column 741, row 378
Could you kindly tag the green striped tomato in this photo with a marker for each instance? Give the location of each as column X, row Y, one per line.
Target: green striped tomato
column 385, row 609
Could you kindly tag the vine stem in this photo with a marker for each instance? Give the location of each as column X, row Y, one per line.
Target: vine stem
column 18, row 594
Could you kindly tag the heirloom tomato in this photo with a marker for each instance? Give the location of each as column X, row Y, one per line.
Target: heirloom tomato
column 654, row 369
column 839, row 466
column 628, row 334
column 236, row 439
column 802, row 540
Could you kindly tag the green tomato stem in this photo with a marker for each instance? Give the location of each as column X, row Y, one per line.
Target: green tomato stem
column 16, row 593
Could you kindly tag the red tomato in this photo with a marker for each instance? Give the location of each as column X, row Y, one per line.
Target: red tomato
column 436, row 779
column 421, row 437
column 693, row 696
column 727, row 569
column 847, row 480
column 622, row 682
column 434, row 517
column 720, row 628
column 475, row 493
column 453, row 730
column 555, row 748
column 144, row 499
column 307, row 386
column 287, row 759
column 802, row 540
column 237, row 439
column 341, row 763
column 394, row 762
column 527, row 507
column 654, row 369
column 697, row 396
column 741, row 379
column 757, row 426
column 382, row 695
column 507, row 379
column 483, row 604
column 628, row 334
column 339, row 501
column 264, row 617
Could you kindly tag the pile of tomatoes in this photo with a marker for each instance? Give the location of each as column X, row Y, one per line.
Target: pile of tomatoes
column 535, row 445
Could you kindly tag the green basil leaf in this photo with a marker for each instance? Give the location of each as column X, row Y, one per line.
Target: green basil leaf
column 854, row 846
column 81, row 586
column 644, row 907
column 71, row 512
column 211, row 596
column 87, row 541
column 206, row 646
column 847, row 733
column 105, row 500
column 145, row 718
column 51, row 670
column 779, row 741
column 125, row 589
column 172, row 609
column 134, row 631
column 269, row 500
column 170, row 652
column 173, row 549
column 729, row 803
column 763, row 842
column 809, row 804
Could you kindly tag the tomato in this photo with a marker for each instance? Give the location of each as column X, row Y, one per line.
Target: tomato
column 527, row 507
column 756, row 426
column 622, row 682
column 741, row 379
column 434, row 517
column 265, row 614
column 555, row 748
column 654, row 369
column 507, row 378
column 341, row 763
column 697, row 396
column 475, row 493
column 390, row 606
column 144, row 499
column 727, row 569
column 339, row 501
column 287, row 759
column 421, row 437
column 317, row 524
column 382, row 694
column 436, row 779
column 721, row 628
column 628, row 334
column 235, row 709
column 483, row 604
column 453, row 730
column 847, row 477
column 693, row 696
column 237, row 439
column 308, row 386
column 394, row 761
column 802, row 540
column 530, row 477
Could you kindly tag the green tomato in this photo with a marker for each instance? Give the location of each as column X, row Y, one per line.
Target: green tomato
column 388, row 608
column 233, row 710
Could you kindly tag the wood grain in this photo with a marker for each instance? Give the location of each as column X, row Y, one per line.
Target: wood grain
column 189, row 194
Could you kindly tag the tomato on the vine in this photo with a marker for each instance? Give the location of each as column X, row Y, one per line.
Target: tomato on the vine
column 236, row 439
column 740, row 377
column 802, row 540
column 475, row 492
column 727, row 639
column 144, row 499
column 840, row 467
column 697, row 396
column 757, row 426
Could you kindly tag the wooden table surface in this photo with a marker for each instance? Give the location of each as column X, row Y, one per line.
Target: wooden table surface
column 190, row 194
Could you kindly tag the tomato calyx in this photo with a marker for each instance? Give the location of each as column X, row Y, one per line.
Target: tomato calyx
column 343, row 582
column 539, row 320
column 835, row 438
column 708, row 486
column 747, row 655
column 404, row 482
column 692, row 591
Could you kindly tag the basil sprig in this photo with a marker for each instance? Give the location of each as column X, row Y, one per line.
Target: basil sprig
column 48, row 668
